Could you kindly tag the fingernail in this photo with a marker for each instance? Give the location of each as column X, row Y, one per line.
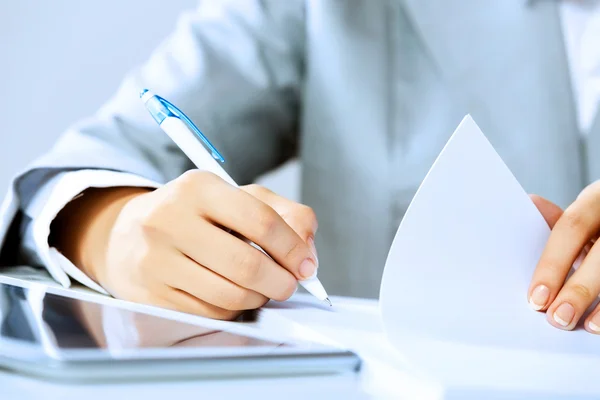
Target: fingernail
column 313, row 248
column 308, row 268
column 564, row 314
column 594, row 323
column 539, row 297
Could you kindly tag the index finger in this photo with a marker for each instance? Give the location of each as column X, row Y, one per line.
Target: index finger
column 573, row 230
column 258, row 222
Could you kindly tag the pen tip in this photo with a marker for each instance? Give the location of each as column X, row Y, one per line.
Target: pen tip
column 329, row 301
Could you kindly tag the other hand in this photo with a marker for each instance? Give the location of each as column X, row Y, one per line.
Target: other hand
column 574, row 233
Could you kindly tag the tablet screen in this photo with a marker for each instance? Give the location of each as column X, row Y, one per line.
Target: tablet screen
column 72, row 335
column 60, row 322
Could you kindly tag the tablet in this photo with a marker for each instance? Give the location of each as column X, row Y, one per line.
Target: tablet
column 63, row 337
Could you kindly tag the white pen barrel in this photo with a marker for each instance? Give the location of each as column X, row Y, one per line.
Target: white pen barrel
column 187, row 141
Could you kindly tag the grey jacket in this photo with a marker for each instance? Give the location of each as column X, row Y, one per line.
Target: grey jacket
column 364, row 92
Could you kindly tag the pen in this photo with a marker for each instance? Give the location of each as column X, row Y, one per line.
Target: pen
column 204, row 155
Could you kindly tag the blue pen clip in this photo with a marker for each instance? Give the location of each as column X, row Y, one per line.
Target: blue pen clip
column 162, row 108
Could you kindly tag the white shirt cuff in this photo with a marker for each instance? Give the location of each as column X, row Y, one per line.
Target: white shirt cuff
column 51, row 199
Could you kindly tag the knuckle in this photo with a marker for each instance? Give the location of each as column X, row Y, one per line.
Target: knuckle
column 573, row 219
column 187, row 179
column 582, row 292
column 196, row 178
column 295, row 248
column 229, row 315
column 590, row 190
column 144, row 296
column 206, row 310
column 309, row 216
column 237, row 300
column 144, row 261
column 551, row 267
column 288, row 288
column 152, row 223
column 255, row 189
column 261, row 301
column 177, row 191
column 224, row 315
column 249, row 267
column 153, row 215
column 266, row 221
column 308, row 213
column 198, row 189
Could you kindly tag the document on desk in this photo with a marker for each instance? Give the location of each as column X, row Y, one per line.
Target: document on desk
column 454, row 290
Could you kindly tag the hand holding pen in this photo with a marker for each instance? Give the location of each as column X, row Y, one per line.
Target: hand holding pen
column 182, row 246
column 207, row 158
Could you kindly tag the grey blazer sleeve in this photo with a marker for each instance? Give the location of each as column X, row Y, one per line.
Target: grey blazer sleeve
column 235, row 67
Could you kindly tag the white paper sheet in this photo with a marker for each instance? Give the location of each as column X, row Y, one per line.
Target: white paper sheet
column 354, row 324
column 454, row 289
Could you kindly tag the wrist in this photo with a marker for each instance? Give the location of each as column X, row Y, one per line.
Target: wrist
column 82, row 229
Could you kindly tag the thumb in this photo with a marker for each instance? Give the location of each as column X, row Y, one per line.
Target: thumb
column 550, row 211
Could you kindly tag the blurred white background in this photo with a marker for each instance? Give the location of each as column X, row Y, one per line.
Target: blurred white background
column 62, row 59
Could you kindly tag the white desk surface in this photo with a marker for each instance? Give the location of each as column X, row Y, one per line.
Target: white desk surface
column 353, row 323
